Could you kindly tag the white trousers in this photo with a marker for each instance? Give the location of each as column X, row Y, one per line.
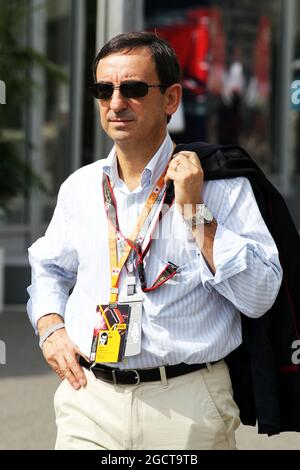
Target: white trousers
column 193, row 411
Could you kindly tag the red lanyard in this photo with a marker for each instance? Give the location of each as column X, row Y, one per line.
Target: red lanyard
column 134, row 242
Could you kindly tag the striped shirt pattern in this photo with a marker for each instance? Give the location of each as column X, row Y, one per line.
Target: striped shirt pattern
column 194, row 317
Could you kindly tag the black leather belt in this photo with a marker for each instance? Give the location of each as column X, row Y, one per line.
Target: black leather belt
column 135, row 376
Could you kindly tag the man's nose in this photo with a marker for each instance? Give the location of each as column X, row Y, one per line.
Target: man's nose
column 117, row 101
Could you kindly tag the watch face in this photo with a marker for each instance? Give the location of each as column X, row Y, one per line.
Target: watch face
column 203, row 216
column 207, row 214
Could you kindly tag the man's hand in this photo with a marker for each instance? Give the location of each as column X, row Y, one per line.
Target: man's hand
column 186, row 172
column 61, row 353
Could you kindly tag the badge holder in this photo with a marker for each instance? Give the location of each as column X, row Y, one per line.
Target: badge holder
column 109, row 338
column 135, row 300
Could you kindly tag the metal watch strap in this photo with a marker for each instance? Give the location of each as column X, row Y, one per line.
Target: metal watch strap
column 199, row 218
column 49, row 332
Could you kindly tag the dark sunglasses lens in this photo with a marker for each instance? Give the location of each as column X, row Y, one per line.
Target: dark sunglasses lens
column 103, row 91
column 134, row 89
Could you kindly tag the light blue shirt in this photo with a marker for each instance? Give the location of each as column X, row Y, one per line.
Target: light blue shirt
column 195, row 316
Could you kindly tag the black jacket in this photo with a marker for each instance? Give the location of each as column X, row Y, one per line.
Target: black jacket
column 265, row 381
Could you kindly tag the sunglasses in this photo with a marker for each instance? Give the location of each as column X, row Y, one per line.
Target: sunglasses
column 128, row 89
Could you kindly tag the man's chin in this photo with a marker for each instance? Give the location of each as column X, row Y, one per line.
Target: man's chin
column 121, row 135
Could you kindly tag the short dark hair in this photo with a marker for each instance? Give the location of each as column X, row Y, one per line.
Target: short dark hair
column 166, row 62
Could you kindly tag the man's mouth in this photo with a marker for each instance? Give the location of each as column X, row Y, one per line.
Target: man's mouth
column 121, row 120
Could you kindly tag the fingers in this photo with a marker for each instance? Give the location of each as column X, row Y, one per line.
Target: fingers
column 187, row 173
column 195, row 160
column 58, row 371
column 72, row 371
column 81, row 354
column 183, row 164
column 61, row 355
column 188, row 159
column 69, row 369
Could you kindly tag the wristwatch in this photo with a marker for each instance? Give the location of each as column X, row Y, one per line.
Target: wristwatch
column 202, row 216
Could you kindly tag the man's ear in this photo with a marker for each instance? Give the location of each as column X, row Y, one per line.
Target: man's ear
column 172, row 98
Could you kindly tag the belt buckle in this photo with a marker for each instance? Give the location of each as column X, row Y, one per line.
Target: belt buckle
column 137, row 376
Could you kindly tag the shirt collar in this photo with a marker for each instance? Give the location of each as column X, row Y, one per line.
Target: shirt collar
column 111, row 167
column 152, row 170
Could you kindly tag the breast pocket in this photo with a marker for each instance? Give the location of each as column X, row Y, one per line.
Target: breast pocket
column 178, row 252
column 175, row 297
column 157, row 272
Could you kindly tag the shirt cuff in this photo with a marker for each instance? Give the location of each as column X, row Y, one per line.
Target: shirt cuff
column 44, row 305
column 230, row 257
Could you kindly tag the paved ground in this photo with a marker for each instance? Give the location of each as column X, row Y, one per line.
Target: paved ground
column 27, row 386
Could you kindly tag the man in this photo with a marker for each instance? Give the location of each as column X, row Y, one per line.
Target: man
column 103, row 338
column 175, row 278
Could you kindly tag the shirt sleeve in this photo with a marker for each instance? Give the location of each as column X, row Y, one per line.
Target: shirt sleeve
column 248, row 271
column 54, row 264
